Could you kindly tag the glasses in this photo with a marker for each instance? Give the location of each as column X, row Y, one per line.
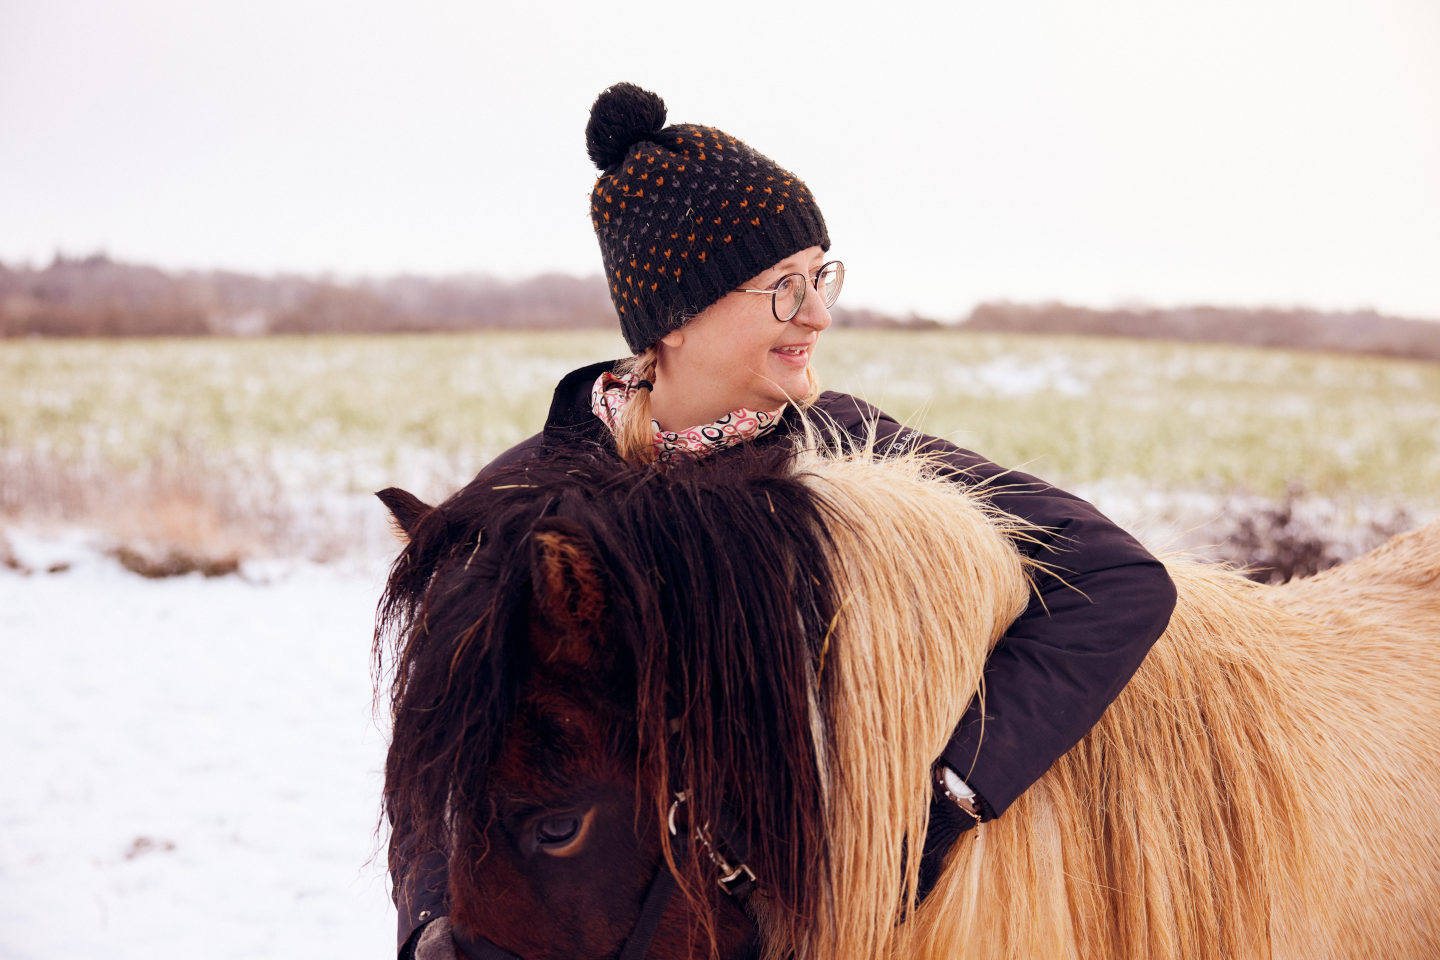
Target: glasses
column 788, row 293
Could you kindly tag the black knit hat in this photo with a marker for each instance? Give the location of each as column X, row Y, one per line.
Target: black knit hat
column 685, row 214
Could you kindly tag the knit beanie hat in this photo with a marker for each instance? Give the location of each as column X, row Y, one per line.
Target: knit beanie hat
column 685, row 214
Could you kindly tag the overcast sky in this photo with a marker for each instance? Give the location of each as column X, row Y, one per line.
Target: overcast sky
column 1258, row 152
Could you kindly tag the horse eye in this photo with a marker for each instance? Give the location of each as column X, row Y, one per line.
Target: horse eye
column 557, row 830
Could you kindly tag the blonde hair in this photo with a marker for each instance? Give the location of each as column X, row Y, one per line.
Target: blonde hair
column 927, row 582
column 635, row 431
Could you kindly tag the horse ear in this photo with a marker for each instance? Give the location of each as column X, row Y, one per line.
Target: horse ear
column 406, row 509
column 569, row 599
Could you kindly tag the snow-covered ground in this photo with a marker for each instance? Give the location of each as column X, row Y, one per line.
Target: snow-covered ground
column 188, row 767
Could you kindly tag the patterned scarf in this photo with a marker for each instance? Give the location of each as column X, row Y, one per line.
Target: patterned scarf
column 611, row 393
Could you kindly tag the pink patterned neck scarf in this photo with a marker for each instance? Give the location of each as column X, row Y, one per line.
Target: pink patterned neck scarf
column 611, row 393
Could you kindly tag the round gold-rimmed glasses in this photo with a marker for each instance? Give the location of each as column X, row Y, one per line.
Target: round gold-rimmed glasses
column 788, row 293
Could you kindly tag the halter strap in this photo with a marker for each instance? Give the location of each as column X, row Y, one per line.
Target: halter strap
column 737, row 880
column 656, row 899
column 481, row 949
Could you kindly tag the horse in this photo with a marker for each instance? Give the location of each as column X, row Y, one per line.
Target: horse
column 774, row 649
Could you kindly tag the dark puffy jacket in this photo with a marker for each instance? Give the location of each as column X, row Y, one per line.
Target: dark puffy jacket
column 1049, row 678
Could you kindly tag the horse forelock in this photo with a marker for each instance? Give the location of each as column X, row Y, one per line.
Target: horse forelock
column 707, row 585
column 727, row 558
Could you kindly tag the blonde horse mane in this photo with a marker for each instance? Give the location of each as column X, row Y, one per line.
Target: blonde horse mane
column 1264, row 787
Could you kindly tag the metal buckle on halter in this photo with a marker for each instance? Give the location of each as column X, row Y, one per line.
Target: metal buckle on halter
column 679, row 799
column 739, row 881
column 735, row 879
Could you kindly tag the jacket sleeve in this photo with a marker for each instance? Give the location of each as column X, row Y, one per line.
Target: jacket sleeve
column 1079, row 641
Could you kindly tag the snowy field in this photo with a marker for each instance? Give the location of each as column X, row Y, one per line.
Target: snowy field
column 191, row 766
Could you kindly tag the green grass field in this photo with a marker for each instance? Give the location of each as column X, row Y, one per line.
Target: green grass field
column 320, row 416
column 1168, row 415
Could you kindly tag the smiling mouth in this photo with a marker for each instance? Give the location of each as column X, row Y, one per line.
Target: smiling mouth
column 797, row 351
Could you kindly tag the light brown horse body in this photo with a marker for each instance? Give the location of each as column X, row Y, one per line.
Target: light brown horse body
column 1265, row 787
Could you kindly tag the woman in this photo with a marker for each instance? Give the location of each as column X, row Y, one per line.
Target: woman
column 716, row 261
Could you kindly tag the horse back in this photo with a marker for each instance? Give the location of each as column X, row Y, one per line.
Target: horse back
column 1361, row 686
column 1406, row 570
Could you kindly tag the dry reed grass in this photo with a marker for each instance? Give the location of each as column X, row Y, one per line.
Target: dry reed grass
column 180, row 514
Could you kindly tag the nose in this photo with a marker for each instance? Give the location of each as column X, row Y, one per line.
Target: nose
column 813, row 312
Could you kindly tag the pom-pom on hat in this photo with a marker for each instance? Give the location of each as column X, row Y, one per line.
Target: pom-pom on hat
column 685, row 213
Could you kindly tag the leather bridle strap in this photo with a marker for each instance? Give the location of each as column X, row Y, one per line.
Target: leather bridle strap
column 737, row 881
column 656, row 899
column 480, row 949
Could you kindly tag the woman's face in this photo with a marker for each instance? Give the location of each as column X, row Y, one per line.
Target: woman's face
column 736, row 354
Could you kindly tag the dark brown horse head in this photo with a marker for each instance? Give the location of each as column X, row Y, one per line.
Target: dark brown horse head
column 575, row 643
column 565, row 829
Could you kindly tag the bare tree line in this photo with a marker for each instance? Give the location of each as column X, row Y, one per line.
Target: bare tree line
column 95, row 296
column 1360, row 331
column 98, row 297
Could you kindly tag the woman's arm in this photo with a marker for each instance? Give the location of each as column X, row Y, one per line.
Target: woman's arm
column 1080, row 639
